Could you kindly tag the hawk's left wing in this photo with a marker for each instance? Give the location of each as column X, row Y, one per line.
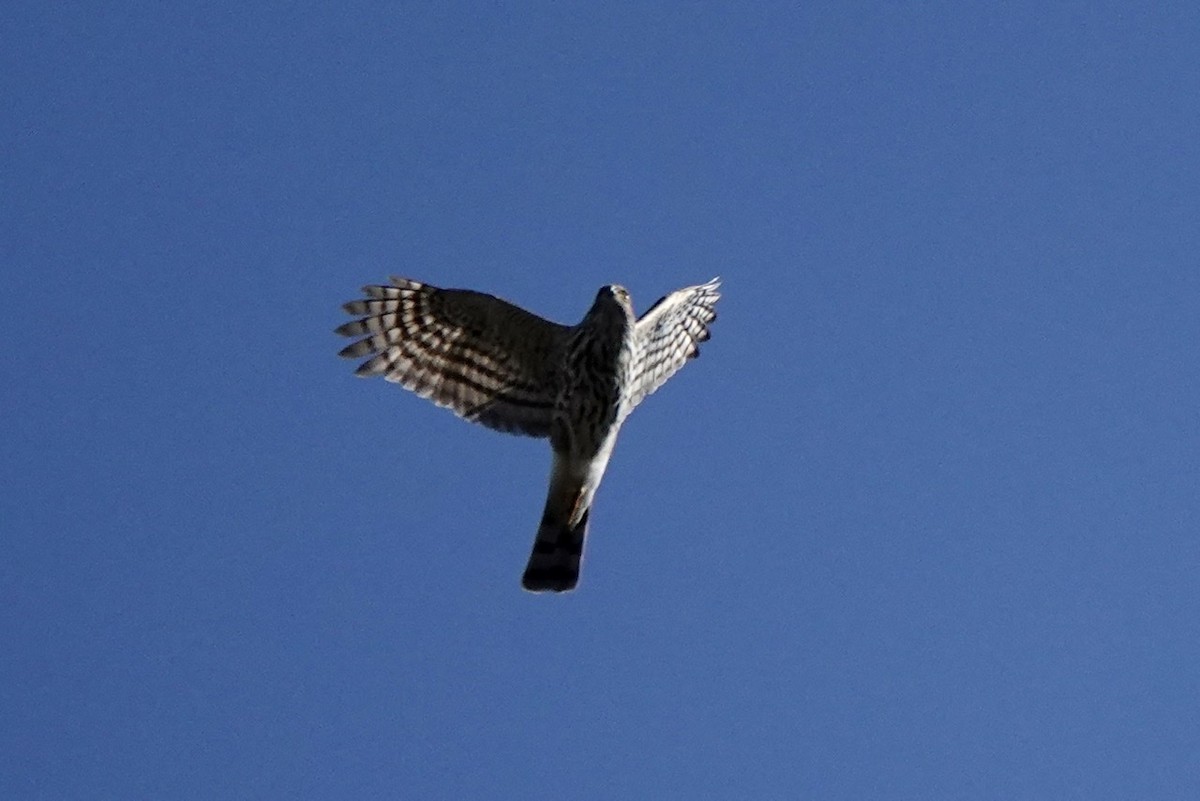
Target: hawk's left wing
column 668, row 335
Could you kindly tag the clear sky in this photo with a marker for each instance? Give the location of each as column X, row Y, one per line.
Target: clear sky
column 921, row 523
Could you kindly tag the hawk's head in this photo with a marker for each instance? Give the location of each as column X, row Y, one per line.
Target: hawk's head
column 614, row 297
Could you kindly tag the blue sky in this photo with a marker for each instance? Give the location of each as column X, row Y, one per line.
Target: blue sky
column 920, row 524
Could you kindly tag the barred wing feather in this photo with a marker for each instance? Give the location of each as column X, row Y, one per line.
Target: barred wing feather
column 668, row 335
column 487, row 360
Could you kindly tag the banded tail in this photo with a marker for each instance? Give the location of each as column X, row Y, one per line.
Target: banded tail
column 557, row 551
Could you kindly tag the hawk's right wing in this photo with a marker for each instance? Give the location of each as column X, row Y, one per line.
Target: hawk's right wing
column 487, row 360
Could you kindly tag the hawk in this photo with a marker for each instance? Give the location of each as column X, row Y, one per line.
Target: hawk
column 493, row 363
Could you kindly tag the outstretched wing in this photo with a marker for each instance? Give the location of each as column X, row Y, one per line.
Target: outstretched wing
column 487, row 360
column 669, row 334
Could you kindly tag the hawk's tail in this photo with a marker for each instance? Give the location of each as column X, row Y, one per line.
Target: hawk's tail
column 557, row 552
